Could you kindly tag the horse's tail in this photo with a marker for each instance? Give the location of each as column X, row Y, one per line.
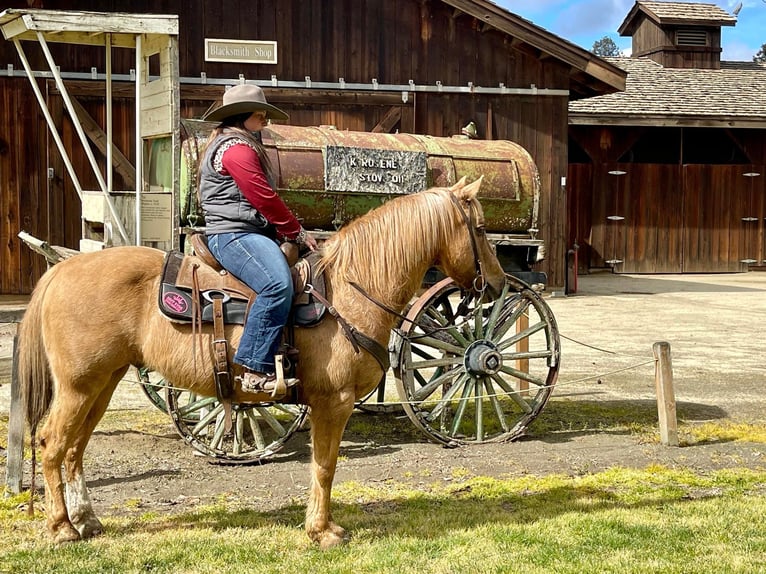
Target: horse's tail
column 34, row 376
column 35, row 382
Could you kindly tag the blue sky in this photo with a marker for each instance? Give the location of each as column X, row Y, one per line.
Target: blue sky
column 582, row 22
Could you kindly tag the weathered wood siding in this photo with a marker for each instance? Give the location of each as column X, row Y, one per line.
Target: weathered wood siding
column 394, row 41
column 675, row 219
column 660, row 45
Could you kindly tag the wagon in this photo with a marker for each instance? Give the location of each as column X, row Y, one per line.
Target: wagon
column 465, row 370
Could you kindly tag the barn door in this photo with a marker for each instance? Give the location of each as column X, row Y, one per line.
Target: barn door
column 717, row 212
column 637, row 211
column 754, row 217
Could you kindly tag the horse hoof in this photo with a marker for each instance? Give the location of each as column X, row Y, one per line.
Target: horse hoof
column 66, row 534
column 90, row 528
column 333, row 536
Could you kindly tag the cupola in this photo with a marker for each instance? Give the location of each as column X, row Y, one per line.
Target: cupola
column 677, row 34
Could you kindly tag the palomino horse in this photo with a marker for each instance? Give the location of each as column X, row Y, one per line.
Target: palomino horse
column 93, row 316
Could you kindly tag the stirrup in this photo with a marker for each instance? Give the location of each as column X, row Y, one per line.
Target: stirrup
column 274, row 384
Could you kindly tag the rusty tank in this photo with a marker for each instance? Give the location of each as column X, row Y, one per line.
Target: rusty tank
column 329, row 177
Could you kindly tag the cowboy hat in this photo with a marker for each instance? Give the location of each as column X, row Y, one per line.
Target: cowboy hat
column 241, row 99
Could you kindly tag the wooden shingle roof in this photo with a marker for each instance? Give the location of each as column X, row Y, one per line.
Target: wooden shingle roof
column 675, row 13
column 733, row 96
column 589, row 74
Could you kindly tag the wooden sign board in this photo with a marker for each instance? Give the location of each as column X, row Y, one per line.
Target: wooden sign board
column 242, row 51
column 352, row 169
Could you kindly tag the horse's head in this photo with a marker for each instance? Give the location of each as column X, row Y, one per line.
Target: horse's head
column 468, row 256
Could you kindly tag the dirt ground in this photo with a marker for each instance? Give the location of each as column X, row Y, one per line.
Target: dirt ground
column 712, row 322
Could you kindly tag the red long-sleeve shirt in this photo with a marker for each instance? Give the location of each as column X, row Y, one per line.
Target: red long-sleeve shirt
column 241, row 162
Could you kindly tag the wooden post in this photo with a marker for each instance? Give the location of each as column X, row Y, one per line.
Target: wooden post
column 666, row 400
column 14, row 465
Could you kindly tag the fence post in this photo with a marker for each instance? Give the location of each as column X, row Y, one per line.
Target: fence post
column 15, row 460
column 666, row 400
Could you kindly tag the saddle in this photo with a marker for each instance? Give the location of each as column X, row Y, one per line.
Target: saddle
column 196, row 289
column 181, row 273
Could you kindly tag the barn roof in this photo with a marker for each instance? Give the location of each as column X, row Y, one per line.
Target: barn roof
column 733, row 96
column 589, row 75
column 675, row 13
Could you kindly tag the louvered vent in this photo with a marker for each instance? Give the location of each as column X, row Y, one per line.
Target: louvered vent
column 691, row 38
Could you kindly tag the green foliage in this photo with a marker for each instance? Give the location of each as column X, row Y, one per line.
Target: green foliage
column 761, row 55
column 605, row 47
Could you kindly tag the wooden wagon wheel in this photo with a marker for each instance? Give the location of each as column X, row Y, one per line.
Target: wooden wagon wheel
column 471, row 371
column 259, row 430
column 153, row 386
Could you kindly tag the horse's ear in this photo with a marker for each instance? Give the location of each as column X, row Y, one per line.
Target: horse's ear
column 459, row 185
column 467, row 192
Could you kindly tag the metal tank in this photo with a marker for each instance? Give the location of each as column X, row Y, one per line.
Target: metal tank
column 328, row 177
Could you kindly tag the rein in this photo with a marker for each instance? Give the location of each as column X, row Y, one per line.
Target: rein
column 478, row 279
column 355, row 337
column 359, row 339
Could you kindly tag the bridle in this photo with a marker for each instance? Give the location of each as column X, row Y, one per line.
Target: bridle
column 478, row 228
column 479, row 284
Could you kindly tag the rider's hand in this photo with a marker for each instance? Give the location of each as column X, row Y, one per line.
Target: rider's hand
column 310, row 242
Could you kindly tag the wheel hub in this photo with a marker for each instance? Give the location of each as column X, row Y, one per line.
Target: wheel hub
column 483, row 358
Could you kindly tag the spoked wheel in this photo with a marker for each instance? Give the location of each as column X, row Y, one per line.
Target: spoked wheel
column 472, row 371
column 258, row 430
column 153, row 386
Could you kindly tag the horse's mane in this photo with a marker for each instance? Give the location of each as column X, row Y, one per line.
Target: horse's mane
column 395, row 236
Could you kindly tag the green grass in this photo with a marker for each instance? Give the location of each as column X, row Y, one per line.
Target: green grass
column 627, row 521
column 649, row 520
column 697, row 424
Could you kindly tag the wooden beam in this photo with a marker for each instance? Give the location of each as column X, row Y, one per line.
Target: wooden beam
column 94, row 132
column 212, row 93
column 739, row 144
column 583, row 119
column 392, row 117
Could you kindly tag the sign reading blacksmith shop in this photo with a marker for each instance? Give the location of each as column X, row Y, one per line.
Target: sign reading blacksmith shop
column 245, row 51
column 374, row 170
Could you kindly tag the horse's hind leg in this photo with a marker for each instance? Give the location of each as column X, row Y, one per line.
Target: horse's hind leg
column 55, row 438
column 69, row 412
column 78, row 501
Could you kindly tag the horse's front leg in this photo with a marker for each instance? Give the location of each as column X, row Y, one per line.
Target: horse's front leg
column 328, row 420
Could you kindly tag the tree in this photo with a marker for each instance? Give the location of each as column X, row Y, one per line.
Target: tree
column 605, row 47
column 761, row 55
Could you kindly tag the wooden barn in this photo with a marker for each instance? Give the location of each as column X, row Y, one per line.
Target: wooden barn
column 669, row 176
column 414, row 66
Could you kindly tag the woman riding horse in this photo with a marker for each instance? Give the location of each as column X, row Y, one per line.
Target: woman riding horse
column 94, row 315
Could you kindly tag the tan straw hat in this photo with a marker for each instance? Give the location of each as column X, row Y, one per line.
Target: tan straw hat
column 241, row 99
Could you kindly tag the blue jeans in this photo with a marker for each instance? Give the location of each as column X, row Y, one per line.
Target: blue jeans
column 258, row 262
